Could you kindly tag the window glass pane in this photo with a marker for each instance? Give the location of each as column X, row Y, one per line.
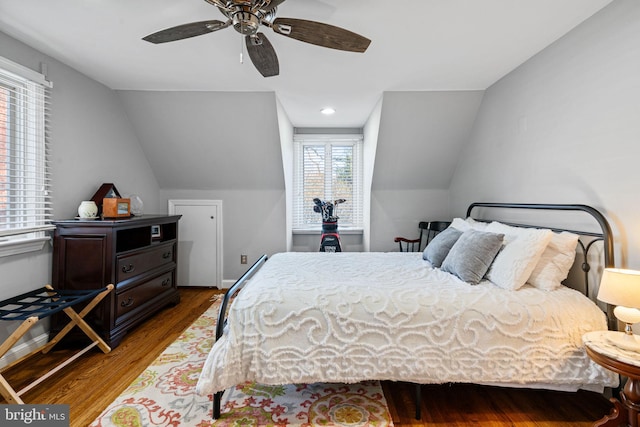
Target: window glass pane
column 25, row 208
column 5, row 129
column 328, row 170
column 314, row 168
column 342, row 181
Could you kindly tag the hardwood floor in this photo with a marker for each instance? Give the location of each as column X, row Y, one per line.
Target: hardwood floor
column 93, row 381
column 473, row 405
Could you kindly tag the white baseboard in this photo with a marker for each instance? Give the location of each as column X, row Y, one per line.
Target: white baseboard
column 23, row 349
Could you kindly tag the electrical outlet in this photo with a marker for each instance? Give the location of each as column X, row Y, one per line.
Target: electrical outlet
column 243, row 259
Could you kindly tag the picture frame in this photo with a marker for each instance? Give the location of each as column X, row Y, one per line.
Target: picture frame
column 116, row 208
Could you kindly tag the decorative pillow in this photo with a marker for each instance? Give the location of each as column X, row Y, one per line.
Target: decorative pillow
column 476, row 225
column 471, row 256
column 555, row 262
column 468, row 224
column 522, row 250
column 460, row 224
column 438, row 248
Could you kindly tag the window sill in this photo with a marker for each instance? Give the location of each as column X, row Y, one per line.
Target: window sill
column 21, row 246
column 317, row 231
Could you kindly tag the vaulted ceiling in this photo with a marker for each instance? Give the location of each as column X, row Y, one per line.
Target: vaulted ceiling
column 417, row 45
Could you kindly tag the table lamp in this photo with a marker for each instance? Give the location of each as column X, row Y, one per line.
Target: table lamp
column 621, row 288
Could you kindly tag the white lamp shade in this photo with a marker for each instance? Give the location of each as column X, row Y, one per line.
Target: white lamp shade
column 620, row 287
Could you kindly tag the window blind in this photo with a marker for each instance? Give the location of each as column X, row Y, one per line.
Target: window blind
column 25, row 199
column 328, row 167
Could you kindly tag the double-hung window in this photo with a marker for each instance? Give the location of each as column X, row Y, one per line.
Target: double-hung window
column 328, row 167
column 25, row 207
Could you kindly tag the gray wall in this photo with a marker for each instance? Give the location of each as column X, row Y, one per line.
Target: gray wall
column 565, row 128
column 253, row 223
column 92, row 142
column 420, row 137
column 209, row 140
column 220, row 146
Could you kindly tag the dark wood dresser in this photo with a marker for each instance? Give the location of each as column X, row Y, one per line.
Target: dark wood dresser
column 138, row 255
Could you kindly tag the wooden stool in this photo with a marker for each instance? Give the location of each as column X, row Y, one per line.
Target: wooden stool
column 35, row 305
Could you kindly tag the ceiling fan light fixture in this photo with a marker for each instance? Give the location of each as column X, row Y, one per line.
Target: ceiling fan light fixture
column 246, row 23
column 327, row 111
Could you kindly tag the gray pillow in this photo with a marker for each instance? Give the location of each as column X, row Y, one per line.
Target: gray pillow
column 472, row 255
column 438, row 248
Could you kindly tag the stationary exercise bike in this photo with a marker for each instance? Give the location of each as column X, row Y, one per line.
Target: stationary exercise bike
column 330, row 238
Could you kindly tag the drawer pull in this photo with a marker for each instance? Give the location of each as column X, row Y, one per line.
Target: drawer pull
column 166, row 282
column 166, row 255
column 128, row 268
column 127, row 303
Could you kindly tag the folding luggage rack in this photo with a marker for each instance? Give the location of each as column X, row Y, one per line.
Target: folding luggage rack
column 39, row 304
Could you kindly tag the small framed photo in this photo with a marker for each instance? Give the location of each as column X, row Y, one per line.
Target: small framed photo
column 156, row 232
column 116, row 208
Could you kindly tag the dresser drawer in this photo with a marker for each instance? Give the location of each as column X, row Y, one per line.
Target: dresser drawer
column 132, row 265
column 137, row 296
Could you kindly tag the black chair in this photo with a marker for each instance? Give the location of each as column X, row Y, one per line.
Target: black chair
column 428, row 230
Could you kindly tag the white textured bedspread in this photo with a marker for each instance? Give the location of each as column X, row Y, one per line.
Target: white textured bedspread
column 347, row 317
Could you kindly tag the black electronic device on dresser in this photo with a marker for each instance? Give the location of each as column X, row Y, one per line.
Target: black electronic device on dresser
column 138, row 255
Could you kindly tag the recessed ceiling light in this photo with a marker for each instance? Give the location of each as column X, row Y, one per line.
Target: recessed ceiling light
column 327, row 111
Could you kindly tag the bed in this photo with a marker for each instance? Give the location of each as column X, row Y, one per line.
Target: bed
column 348, row 317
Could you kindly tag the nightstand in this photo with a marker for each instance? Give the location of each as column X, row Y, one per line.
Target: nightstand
column 624, row 362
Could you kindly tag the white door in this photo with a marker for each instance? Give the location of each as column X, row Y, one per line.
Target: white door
column 199, row 242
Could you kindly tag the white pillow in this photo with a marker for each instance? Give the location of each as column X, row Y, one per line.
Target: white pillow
column 477, row 225
column 460, row 224
column 468, row 224
column 518, row 257
column 555, row 262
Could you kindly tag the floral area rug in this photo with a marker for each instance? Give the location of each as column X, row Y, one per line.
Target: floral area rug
column 164, row 395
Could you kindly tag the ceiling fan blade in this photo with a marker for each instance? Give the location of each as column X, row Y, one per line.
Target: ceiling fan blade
column 263, row 55
column 273, row 4
column 320, row 34
column 185, row 31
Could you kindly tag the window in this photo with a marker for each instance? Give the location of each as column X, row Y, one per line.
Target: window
column 328, row 167
column 25, row 208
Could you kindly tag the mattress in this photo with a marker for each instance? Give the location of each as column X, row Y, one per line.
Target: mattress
column 346, row 317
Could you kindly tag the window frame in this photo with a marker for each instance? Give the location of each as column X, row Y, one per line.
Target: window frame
column 27, row 216
column 302, row 206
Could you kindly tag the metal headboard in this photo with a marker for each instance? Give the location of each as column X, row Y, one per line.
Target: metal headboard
column 605, row 235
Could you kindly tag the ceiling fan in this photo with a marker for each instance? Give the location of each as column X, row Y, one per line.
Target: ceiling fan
column 246, row 16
